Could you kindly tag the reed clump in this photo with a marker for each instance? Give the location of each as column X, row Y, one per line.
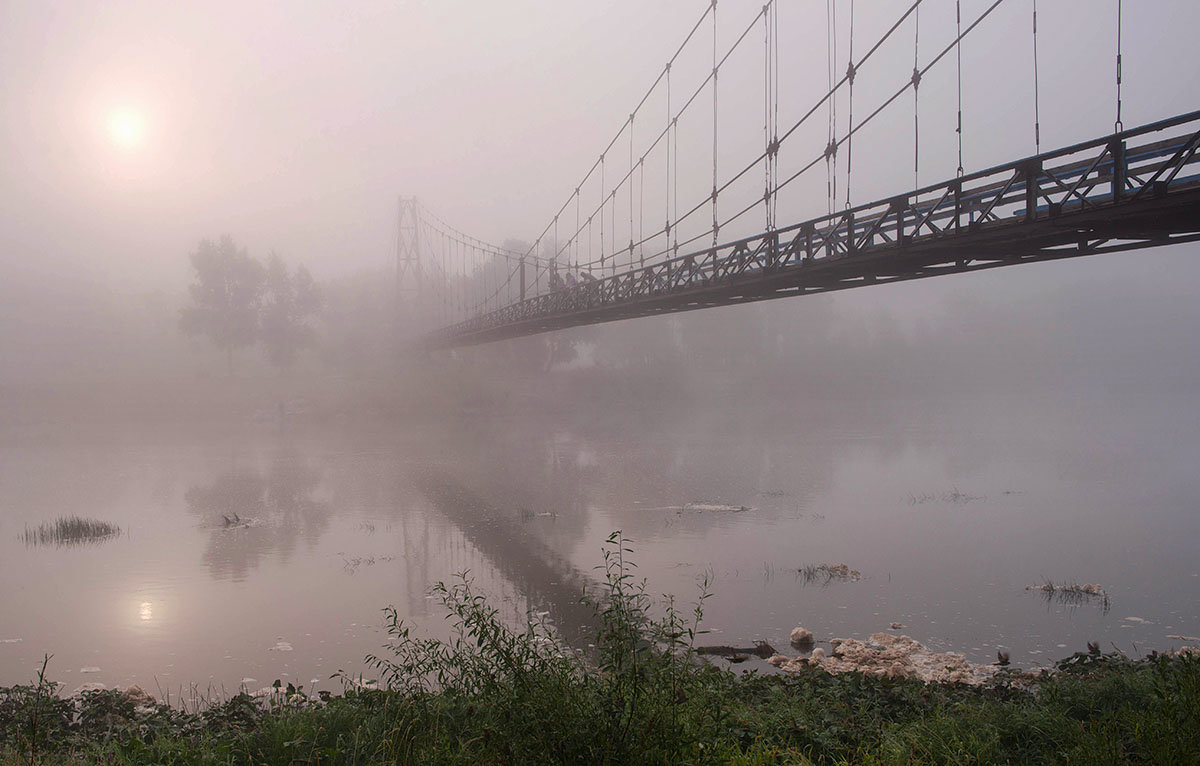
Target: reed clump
column 1073, row 593
column 70, row 530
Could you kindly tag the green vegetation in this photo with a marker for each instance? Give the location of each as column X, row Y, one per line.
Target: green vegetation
column 70, row 530
column 494, row 695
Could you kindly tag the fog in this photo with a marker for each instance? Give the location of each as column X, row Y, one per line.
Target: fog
column 135, row 136
column 294, row 130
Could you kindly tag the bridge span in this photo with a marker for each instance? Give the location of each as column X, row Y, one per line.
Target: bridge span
column 1132, row 190
column 1124, row 190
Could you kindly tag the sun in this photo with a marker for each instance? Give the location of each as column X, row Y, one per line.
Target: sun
column 126, row 128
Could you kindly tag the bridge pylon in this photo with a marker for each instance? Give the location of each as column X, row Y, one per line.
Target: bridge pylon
column 409, row 278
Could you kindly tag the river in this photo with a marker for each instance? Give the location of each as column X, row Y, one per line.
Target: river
column 267, row 550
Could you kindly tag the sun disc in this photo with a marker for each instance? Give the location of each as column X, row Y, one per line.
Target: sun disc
column 126, row 128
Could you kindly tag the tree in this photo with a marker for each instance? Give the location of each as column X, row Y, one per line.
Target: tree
column 226, row 296
column 290, row 299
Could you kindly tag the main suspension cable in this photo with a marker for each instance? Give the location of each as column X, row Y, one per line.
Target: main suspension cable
column 771, row 140
column 674, row 124
column 924, row 70
column 661, row 76
column 795, row 126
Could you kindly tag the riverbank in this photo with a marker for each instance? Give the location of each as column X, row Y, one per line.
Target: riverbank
column 1102, row 708
column 493, row 694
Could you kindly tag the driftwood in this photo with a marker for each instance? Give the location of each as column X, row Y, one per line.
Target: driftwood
column 738, row 654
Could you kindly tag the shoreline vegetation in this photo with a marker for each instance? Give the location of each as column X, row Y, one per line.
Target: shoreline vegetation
column 494, row 694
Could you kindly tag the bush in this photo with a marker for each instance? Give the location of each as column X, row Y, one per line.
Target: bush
column 639, row 697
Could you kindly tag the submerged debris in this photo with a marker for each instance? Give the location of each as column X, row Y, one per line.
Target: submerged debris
column 234, row 521
column 737, row 654
column 828, row 573
column 717, row 507
column 886, row 655
column 1089, row 589
column 351, row 565
column 1183, row 638
column 954, row 496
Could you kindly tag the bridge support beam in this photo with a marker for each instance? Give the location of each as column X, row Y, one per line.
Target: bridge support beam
column 1116, row 148
column 1031, row 170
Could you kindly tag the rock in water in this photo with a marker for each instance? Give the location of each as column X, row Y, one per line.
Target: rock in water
column 138, row 696
column 888, row 656
column 801, row 637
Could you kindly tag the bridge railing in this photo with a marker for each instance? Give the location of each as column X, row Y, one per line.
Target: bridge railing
column 1093, row 175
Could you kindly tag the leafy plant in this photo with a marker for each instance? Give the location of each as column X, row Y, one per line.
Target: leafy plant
column 555, row 697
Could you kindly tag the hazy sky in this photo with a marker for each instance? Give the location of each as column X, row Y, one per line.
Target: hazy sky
column 132, row 129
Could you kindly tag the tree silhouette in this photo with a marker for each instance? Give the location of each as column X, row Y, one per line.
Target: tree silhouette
column 290, row 299
column 226, row 296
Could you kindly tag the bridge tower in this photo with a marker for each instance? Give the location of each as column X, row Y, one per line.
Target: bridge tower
column 408, row 260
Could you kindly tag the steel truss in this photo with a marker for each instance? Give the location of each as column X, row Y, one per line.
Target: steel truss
column 1100, row 196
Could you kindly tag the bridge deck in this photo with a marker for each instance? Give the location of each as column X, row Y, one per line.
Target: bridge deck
column 1095, row 197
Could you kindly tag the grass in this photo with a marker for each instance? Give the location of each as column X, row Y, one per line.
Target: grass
column 494, row 694
column 70, row 530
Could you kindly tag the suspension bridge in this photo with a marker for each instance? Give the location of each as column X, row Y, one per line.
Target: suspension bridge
column 1126, row 189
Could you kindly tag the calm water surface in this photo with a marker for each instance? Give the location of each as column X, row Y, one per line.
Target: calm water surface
column 948, row 511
